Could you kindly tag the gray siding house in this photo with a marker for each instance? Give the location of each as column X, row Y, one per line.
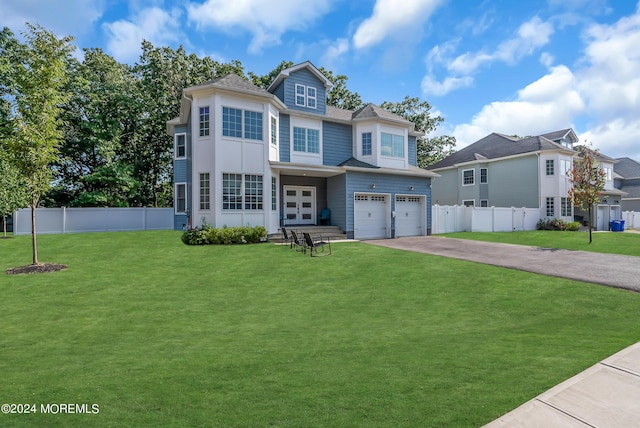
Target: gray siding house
column 278, row 157
column 627, row 179
column 532, row 172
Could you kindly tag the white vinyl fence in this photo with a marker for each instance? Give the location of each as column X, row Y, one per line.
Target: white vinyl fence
column 73, row 220
column 458, row 218
column 631, row 219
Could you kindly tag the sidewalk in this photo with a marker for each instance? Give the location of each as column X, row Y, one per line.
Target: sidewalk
column 605, row 395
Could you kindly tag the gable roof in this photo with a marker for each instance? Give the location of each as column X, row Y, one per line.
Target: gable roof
column 562, row 134
column 233, row 82
column 495, row 146
column 309, row 66
column 627, row 168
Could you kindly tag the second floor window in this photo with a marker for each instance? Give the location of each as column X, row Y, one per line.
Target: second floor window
column 366, row 144
column 241, row 123
column 483, row 175
column 306, row 140
column 550, row 167
column 392, row 145
column 468, row 177
column 274, row 131
column 204, row 121
column 181, row 146
column 306, row 96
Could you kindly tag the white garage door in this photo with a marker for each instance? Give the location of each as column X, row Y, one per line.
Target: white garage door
column 371, row 213
column 410, row 213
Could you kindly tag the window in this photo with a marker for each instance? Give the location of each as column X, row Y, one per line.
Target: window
column 306, row 140
column 252, row 192
column 274, row 205
column 205, row 198
column 483, row 175
column 274, row 131
column 366, row 144
column 306, row 96
column 181, row 198
column 392, row 145
column 252, row 125
column 232, row 123
column 231, row 188
column 204, row 121
column 468, row 177
column 180, row 150
column 565, row 167
column 484, row 203
column 469, row 203
column 550, row 167
column 551, row 209
column 608, row 174
column 565, row 207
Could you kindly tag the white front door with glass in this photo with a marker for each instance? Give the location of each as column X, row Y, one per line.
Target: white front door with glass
column 299, row 205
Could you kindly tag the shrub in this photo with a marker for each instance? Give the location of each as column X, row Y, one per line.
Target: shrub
column 227, row 235
column 557, row 224
column 574, row 226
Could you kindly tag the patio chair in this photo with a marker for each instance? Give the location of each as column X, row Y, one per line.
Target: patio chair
column 287, row 237
column 325, row 217
column 317, row 245
column 298, row 243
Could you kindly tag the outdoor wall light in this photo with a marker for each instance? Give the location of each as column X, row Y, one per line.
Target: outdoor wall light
column 411, row 188
column 372, row 185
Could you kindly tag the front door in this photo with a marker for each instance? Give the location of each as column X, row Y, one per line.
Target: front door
column 299, row 205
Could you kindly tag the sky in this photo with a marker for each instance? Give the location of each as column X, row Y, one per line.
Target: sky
column 523, row 67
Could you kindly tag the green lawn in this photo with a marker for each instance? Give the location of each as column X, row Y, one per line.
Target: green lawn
column 161, row 334
column 602, row 242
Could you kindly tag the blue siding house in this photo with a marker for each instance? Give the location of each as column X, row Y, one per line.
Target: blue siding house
column 244, row 155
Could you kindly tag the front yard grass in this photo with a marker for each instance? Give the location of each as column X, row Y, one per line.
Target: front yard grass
column 603, row 242
column 162, row 334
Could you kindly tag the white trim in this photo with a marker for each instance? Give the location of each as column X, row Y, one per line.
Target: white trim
column 175, row 146
column 473, row 170
column 175, row 198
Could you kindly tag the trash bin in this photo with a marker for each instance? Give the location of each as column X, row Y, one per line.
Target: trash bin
column 615, row 225
column 621, row 225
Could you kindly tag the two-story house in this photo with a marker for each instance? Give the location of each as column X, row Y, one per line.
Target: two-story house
column 278, row 157
column 508, row 171
column 627, row 179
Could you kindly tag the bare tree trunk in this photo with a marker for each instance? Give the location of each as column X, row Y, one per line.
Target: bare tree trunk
column 590, row 222
column 34, row 242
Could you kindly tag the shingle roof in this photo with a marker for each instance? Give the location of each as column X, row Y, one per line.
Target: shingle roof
column 563, row 133
column 357, row 163
column 233, row 81
column 372, row 111
column 495, row 146
column 627, row 168
column 338, row 113
column 633, row 191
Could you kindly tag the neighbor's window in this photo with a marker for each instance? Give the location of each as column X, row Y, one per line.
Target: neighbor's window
column 565, row 207
column 181, row 146
column 551, row 208
column 469, row 203
column 204, row 121
column 484, row 203
column 205, row 194
column 483, row 175
column 231, row 191
column 181, row 198
column 392, row 145
column 468, row 177
column 252, row 192
column 550, row 167
column 366, row 144
column 565, row 167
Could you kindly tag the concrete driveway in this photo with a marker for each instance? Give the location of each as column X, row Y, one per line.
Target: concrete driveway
column 598, row 268
column 605, row 395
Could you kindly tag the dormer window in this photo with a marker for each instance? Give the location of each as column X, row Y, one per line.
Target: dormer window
column 306, row 96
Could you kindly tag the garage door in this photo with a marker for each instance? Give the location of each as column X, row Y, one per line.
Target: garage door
column 371, row 213
column 410, row 212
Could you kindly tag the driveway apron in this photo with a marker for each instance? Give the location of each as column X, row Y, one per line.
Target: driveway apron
column 605, row 269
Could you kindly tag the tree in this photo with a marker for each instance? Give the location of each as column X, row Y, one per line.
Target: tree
column 12, row 192
column 36, row 78
column 430, row 149
column 587, row 181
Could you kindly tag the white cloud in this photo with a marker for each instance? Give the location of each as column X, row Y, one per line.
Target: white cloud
column 153, row 24
column 335, row 50
column 266, row 21
column 430, row 86
column 618, row 138
column 391, row 19
column 545, row 105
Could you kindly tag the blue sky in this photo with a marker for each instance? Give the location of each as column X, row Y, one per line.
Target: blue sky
column 516, row 67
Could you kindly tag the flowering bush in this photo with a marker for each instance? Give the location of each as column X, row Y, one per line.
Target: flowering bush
column 557, row 224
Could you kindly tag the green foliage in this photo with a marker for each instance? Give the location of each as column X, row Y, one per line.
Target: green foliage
column 207, row 235
column 12, row 194
column 557, row 224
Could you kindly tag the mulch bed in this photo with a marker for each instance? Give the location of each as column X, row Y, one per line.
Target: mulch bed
column 38, row 268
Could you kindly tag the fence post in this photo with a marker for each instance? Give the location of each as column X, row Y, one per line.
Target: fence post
column 144, row 218
column 64, row 219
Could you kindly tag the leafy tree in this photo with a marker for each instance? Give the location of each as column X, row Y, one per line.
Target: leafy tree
column 36, row 77
column 339, row 95
column 12, row 191
column 587, row 181
column 430, row 149
column 266, row 79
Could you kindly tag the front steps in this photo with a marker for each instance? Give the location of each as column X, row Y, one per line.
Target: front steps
column 332, row 232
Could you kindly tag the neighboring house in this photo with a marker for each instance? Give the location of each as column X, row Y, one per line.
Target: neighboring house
column 507, row 171
column 278, row 157
column 627, row 179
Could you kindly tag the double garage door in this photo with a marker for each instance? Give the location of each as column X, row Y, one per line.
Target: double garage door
column 372, row 216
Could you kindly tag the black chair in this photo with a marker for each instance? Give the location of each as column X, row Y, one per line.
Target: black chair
column 317, row 245
column 287, row 237
column 297, row 243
